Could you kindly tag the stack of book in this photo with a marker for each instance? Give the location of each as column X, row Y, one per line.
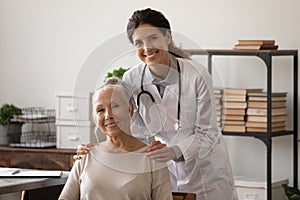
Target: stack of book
column 234, row 108
column 218, row 100
column 256, row 45
column 257, row 112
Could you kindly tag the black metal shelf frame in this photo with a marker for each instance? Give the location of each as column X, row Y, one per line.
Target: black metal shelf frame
column 266, row 56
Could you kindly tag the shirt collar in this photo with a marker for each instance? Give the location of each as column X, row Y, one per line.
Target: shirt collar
column 171, row 76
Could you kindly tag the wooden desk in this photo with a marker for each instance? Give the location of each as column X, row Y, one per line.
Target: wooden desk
column 35, row 188
column 34, row 158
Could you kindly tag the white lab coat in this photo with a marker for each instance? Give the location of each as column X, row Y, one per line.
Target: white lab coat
column 206, row 169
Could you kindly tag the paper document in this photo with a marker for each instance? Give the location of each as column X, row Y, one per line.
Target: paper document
column 24, row 173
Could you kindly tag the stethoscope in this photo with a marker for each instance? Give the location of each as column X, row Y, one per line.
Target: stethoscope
column 177, row 125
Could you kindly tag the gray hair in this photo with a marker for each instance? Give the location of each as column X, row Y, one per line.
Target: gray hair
column 114, row 82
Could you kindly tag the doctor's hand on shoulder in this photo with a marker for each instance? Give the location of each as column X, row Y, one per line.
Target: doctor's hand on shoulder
column 160, row 152
column 82, row 149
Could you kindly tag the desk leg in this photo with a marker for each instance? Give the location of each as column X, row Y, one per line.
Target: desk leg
column 23, row 196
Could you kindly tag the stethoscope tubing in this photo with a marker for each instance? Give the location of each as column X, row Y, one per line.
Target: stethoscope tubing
column 151, row 96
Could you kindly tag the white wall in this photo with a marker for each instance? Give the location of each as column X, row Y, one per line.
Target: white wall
column 48, row 46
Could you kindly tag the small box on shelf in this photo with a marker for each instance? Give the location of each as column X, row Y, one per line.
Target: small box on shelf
column 74, row 120
column 73, row 106
column 71, row 134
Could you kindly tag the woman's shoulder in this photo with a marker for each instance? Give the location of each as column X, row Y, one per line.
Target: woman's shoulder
column 82, row 162
column 191, row 63
column 134, row 70
column 192, row 67
column 142, row 149
column 133, row 76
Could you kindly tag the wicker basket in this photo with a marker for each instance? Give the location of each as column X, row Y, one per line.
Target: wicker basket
column 34, row 138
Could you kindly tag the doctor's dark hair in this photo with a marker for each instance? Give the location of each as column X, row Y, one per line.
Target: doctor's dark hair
column 156, row 19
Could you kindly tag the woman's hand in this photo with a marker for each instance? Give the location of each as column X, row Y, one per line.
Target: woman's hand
column 81, row 150
column 160, row 152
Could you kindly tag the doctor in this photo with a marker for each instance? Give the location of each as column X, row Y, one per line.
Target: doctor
column 181, row 91
column 174, row 99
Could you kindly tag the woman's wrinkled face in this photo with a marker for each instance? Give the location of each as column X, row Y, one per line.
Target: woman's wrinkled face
column 112, row 112
column 151, row 44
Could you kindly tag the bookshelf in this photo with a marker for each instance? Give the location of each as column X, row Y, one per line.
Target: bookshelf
column 266, row 56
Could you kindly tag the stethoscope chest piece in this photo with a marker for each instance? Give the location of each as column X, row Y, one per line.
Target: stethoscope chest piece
column 177, row 126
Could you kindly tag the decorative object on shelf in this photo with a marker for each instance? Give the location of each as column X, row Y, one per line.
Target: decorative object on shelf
column 256, row 45
column 7, row 111
column 35, row 138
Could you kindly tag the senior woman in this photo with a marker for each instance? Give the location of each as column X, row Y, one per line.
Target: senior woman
column 119, row 167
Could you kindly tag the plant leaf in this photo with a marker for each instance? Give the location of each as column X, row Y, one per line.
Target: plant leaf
column 7, row 111
column 116, row 73
column 291, row 192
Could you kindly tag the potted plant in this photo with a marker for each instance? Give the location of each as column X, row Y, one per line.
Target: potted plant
column 116, row 73
column 7, row 111
column 291, row 192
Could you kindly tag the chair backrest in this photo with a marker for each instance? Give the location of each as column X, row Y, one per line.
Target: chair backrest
column 183, row 196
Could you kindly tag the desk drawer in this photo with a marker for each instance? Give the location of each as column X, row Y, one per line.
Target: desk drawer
column 73, row 106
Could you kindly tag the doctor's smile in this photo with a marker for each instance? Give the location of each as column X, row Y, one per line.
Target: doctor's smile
column 151, row 56
column 151, row 44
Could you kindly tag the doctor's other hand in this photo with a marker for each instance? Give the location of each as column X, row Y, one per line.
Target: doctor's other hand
column 156, row 145
column 163, row 154
column 81, row 150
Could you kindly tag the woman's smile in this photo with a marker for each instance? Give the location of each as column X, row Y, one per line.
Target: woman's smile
column 111, row 125
column 111, row 109
column 151, row 55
